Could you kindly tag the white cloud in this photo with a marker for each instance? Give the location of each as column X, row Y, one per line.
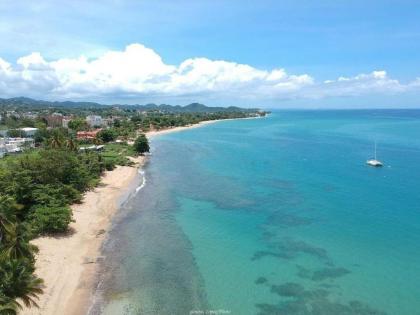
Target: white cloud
column 139, row 72
column 376, row 82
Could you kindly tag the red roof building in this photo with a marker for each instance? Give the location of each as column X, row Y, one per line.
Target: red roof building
column 87, row 135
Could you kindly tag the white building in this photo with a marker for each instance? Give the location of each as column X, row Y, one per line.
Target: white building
column 29, row 132
column 13, row 145
column 94, row 121
column 66, row 121
column 30, row 115
column 2, row 147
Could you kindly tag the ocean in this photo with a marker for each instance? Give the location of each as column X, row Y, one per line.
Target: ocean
column 278, row 215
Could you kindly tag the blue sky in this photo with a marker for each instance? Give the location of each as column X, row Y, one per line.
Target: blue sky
column 324, row 40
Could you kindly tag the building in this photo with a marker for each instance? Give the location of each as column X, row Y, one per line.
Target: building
column 29, row 132
column 87, row 135
column 94, row 121
column 54, row 120
column 30, row 115
column 65, row 122
column 11, row 113
column 2, row 147
column 109, row 121
column 106, row 122
column 15, row 145
column 92, row 148
column 18, row 144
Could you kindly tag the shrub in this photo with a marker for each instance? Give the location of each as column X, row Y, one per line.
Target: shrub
column 107, row 135
column 141, row 145
column 58, row 194
column 51, row 219
column 16, row 133
column 109, row 164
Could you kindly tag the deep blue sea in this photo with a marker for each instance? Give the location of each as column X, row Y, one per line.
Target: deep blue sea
column 278, row 215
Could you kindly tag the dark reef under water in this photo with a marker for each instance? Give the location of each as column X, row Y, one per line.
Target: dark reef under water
column 260, row 217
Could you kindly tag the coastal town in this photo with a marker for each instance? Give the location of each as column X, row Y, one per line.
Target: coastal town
column 16, row 140
column 22, row 130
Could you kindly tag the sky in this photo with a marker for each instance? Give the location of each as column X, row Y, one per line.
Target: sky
column 274, row 54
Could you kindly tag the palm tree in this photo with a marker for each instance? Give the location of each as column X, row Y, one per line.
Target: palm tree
column 97, row 141
column 19, row 282
column 71, row 144
column 16, row 262
column 9, row 306
column 6, row 218
column 17, row 244
column 55, row 141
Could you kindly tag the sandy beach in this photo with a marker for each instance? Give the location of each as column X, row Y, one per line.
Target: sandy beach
column 68, row 263
column 151, row 134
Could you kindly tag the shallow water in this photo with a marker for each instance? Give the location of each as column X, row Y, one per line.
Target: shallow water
column 274, row 216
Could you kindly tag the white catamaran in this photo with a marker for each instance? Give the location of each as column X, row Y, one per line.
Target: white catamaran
column 374, row 162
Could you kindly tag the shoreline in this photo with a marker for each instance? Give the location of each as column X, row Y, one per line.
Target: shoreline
column 154, row 133
column 69, row 264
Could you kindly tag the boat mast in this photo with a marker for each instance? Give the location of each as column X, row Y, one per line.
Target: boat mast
column 375, row 149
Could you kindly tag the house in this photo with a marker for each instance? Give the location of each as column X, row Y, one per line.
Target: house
column 87, row 135
column 94, row 121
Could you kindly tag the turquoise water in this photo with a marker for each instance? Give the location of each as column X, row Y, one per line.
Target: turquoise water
column 274, row 216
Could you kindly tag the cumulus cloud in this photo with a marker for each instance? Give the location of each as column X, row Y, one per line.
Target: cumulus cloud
column 374, row 82
column 139, row 72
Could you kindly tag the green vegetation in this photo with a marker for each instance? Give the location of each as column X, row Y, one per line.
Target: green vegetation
column 108, row 135
column 48, row 179
column 158, row 120
column 36, row 190
column 18, row 283
column 78, row 124
column 50, row 219
column 141, row 145
column 15, row 133
column 116, row 154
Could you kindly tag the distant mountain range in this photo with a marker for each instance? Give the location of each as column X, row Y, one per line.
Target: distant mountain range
column 192, row 108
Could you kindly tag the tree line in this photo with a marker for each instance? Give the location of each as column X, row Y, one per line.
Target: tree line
column 37, row 188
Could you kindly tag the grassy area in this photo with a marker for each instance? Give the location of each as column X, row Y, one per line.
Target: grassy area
column 116, row 154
